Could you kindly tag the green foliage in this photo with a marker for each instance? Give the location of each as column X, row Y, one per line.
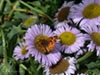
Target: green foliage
column 94, row 67
column 15, row 17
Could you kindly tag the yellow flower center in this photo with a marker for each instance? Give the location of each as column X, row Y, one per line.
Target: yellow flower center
column 96, row 38
column 63, row 14
column 67, row 38
column 24, row 51
column 28, row 22
column 40, row 43
column 60, row 67
column 91, row 11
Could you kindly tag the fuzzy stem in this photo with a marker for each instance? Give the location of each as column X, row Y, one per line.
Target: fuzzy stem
column 87, row 55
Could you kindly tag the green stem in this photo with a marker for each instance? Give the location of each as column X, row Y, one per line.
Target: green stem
column 87, row 55
column 1, row 4
column 14, row 7
column 39, row 67
column 1, row 8
column 36, row 10
column 24, row 10
column 33, row 68
column 25, row 68
column 4, row 46
column 8, row 1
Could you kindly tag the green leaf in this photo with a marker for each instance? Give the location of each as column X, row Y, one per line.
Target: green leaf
column 35, row 3
column 22, row 69
column 94, row 68
column 15, row 30
column 19, row 15
column 6, row 69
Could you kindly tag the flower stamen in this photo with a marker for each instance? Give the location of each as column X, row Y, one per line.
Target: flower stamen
column 63, row 14
column 96, row 38
column 60, row 67
column 24, row 51
column 91, row 11
column 67, row 38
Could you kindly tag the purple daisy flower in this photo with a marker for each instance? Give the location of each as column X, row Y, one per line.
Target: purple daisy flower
column 21, row 52
column 70, row 38
column 60, row 24
column 63, row 12
column 37, row 43
column 65, row 66
column 94, row 37
column 80, row 52
column 88, row 11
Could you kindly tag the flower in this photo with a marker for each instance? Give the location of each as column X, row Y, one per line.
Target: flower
column 64, row 67
column 63, row 12
column 93, row 34
column 80, row 52
column 60, row 24
column 40, row 46
column 21, row 52
column 87, row 11
column 71, row 38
